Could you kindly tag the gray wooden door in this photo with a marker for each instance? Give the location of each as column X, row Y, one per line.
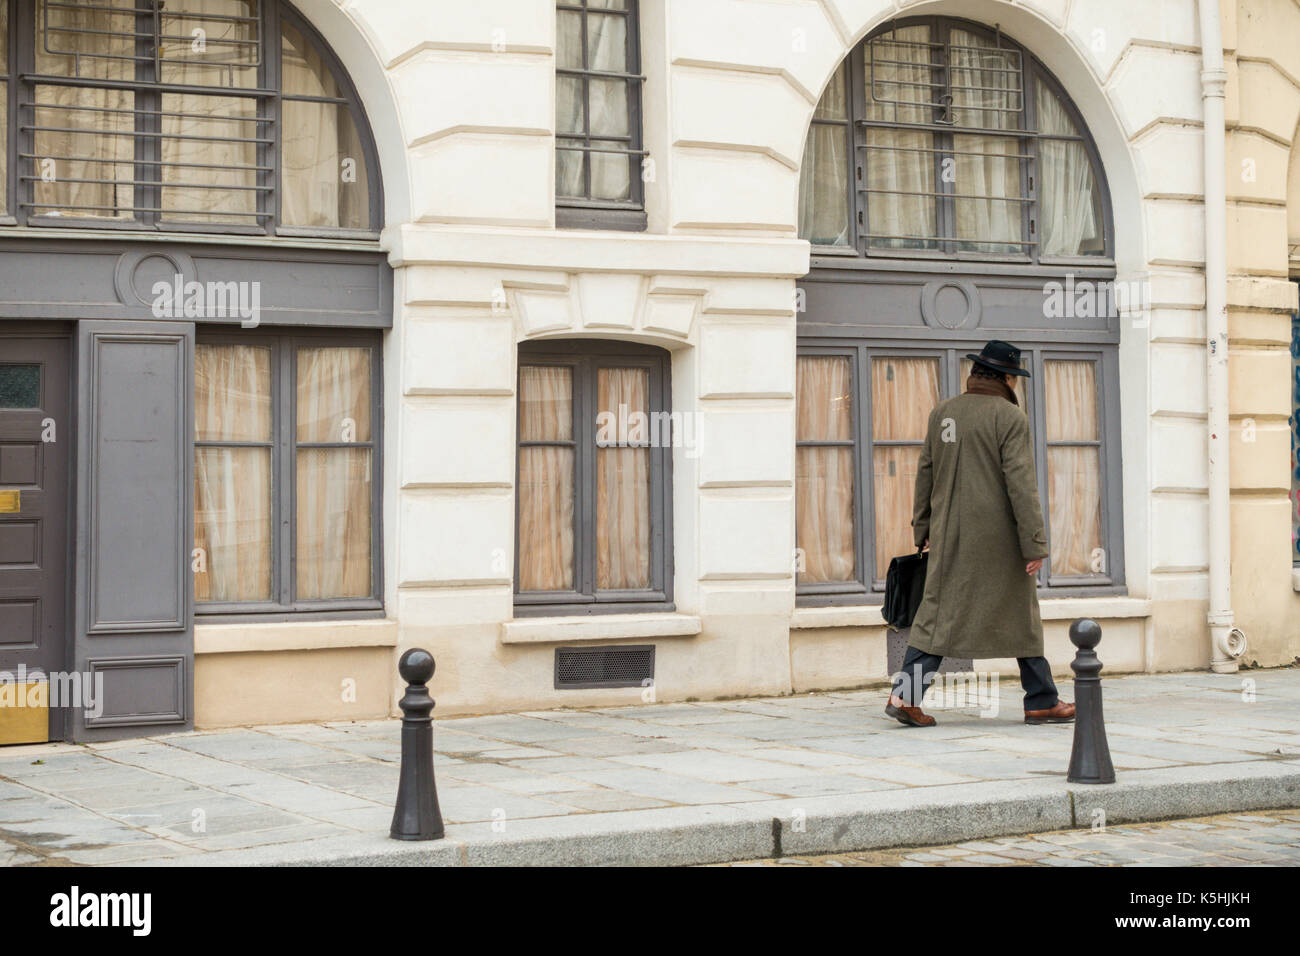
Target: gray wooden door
column 135, row 518
column 35, row 435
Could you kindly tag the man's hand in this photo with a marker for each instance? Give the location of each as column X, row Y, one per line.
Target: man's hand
column 1033, row 567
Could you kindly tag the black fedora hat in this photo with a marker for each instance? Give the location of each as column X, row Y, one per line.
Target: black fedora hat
column 1000, row 357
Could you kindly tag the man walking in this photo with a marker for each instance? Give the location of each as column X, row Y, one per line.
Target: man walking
column 977, row 509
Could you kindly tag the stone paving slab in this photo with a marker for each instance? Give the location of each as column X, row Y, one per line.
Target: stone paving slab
column 665, row 783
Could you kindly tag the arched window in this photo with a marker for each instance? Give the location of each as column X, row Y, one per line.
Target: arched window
column 952, row 196
column 943, row 138
column 186, row 115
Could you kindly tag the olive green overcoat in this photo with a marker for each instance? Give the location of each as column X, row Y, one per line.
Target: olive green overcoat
column 977, row 503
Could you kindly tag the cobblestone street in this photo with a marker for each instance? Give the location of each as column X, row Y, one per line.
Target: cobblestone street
column 1266, row 838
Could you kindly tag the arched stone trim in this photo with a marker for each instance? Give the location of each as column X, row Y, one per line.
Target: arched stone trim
column 353, row 40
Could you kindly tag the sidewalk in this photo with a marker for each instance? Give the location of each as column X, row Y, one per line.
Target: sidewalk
column 672, row 783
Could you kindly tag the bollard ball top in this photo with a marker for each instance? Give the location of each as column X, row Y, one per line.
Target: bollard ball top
column 1085, row 633
column 416, row 666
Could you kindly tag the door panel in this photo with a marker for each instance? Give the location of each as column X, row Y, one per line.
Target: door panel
column 135, row 615
column 35, row 435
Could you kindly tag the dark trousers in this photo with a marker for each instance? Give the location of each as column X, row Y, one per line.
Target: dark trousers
column 919, row 669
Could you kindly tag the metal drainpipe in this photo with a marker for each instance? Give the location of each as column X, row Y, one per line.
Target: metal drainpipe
column 1226, row 642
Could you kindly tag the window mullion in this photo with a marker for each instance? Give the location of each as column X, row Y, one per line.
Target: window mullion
column 1037, row 395
column 286, row 495
column 17, row 55
column 585, row 435
column 865, row 490
column 859, row 211
column 946, row 146
column 269, row 153
column 147, row 104
column 1031, row 169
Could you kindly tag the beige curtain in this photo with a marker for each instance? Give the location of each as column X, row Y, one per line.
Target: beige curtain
column 1069, row 197
column 903, row 393
column 316, row 141
column 623, row 484
column 232, row 486
column 824, row 473
column 1074, row 471
column 333, row 484
column 546, row 491
column 85, row 153
column 985, row 164
column 608, row 98
column 823, row 181
column 192, row 194
column 323, row 170
column 568, row 103
column 904, row 159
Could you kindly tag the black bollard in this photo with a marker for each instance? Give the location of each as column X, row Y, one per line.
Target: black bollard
column 416, row 816
column 1090, row 758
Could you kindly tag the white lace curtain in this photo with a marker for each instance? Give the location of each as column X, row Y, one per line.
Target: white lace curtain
column 823, row 187
column 1069, row 196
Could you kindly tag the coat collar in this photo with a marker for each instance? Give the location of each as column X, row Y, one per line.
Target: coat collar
column 978, row 385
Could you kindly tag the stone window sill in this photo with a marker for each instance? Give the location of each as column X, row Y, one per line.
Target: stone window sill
column 293, row 636
column 598, row 627
column 1052, row 609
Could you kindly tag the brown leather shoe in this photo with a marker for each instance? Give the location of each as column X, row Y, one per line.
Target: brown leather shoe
column 1062, row 713
column 906, row 714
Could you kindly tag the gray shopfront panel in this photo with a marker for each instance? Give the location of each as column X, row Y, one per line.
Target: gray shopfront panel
column 134, row 611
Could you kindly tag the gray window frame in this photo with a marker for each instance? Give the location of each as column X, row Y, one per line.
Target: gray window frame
column 866, row 589
column 20, row 174
column 584, row 212
column 585, row 357
column 858, row 153
column 284, row 345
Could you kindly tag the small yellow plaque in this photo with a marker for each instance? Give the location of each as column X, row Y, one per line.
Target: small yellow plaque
column 9, row 502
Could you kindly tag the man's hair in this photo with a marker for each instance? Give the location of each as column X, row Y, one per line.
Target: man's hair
column 983, row 371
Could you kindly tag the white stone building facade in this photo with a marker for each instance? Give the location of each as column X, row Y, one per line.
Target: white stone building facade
column 462, row 103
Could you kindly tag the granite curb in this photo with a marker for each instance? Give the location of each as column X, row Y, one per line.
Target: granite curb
column 864, row 821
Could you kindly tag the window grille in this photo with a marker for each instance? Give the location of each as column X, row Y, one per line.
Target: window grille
column 944, row 138
column 191, row 115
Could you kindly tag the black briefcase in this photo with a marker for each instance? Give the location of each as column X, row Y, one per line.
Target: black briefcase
column 904, row 585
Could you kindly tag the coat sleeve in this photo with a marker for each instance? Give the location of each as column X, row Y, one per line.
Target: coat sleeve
column 924, row 484
column 1022, row 488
